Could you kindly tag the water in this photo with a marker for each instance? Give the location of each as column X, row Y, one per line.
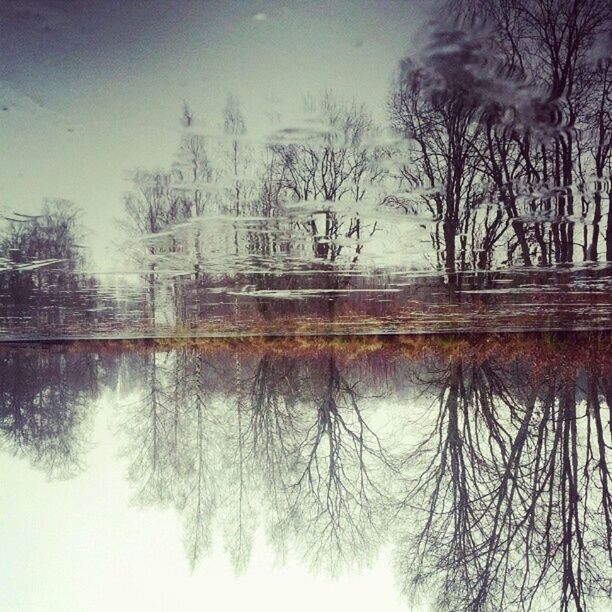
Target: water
column 305, row 306
column 52, row 305
column 331, row 225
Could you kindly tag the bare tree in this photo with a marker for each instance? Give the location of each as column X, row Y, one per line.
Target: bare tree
column 338, row 164
column 505, row 508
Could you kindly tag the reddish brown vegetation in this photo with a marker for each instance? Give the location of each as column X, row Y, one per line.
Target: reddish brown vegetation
column 539, row 352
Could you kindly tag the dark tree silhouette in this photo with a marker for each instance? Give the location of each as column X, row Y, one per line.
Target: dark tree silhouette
column 46, row 398
column 510, row 504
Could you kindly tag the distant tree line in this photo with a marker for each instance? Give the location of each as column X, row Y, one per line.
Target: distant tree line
column 505, row 142
column 492, row 484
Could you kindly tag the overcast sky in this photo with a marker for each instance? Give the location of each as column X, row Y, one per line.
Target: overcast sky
column 92, row 548
column 92, row 88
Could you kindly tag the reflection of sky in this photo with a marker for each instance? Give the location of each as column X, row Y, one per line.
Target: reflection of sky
column 81, row 545
column 95, row 87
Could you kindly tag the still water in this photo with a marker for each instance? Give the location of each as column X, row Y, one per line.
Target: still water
column 419, row 473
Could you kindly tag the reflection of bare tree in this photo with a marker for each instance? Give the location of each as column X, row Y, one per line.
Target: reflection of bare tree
column 517, row 107
column 340, row 165
column 441, row 163
column 44, row 402
column 505, row 504
column 41, row 279
column 50, row 237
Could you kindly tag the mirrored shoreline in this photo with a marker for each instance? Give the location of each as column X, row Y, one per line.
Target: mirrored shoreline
column 50, row 304
column 305, row 306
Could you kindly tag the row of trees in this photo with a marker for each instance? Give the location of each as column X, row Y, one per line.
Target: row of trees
column 45, row 291
column 515, row 96
column 505, row 144
column 492, row 488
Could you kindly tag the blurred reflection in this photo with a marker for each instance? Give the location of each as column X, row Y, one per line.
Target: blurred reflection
column 330, row 227
column 482, row 463
column 272, row 281
column 478, row 197
column 43, row 289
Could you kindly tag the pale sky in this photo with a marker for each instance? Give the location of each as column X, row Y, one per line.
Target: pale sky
column 90, row 89
column 83, row 544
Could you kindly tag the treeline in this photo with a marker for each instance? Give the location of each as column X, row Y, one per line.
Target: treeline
column 503, row 141
column 492, row 486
